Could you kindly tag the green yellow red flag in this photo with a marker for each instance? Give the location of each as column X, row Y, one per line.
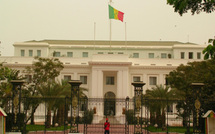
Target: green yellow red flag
column 115, row 14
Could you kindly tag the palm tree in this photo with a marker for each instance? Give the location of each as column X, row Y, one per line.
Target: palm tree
column 209, row 51
column 55, row 92
column 50, row 91
column 157, row 103
column 6, row 75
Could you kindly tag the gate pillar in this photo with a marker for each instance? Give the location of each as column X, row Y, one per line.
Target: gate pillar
column 74, row 105
column 138, row 99
column 16, row 105
column 197, row 112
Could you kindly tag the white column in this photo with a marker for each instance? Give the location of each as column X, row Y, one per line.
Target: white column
column 119, row 92
column 160, row 79
column 125, row 84
column 145, row 81
column 94, row 84
column 100, row 84
column 119, row 84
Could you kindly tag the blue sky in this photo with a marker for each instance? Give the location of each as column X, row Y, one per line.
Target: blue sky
column 146, row 20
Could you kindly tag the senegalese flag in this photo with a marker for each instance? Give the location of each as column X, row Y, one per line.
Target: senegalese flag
column 115, row 14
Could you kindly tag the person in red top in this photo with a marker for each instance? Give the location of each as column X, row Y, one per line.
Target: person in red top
column 107, row 126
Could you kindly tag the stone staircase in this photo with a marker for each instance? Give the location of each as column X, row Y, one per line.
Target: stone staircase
column 111, row 119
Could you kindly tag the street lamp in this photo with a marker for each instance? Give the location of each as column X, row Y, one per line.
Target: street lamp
column 138, row 90
column 75, row 84
column 16, row 98
column 197, row 123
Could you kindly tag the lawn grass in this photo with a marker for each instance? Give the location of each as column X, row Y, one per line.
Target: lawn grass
column 170, row 129
column 42, row 128
column 150, row 128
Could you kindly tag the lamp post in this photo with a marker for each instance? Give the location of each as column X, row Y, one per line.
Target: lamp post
column 75, row 84
column 138, row 90
column 197, row 123
column 16, row 98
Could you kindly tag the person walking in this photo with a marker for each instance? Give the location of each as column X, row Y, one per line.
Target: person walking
column 106, row 126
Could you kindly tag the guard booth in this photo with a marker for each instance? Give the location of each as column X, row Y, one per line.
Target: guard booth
column 2, row 121
column 209, row 122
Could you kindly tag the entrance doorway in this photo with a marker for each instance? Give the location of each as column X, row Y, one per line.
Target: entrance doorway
column 109, row 104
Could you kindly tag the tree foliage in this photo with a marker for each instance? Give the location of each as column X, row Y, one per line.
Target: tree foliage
column 195, row 6
column 194, row 72
column 209, row 51
column 45, row 69
column 6, row 75
column 157, row 97
column 184, row 75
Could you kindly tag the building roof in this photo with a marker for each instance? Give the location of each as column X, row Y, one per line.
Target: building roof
column 210, row 113
column 103, row 42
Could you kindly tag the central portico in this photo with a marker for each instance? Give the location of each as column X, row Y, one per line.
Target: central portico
column 110, row 80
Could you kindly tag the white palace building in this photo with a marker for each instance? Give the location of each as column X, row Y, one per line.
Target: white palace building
column 108, row 68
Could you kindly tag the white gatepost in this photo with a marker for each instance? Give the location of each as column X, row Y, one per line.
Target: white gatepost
column 2, row 121
column 209, row 122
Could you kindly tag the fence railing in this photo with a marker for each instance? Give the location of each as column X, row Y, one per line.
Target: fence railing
column 54, row 114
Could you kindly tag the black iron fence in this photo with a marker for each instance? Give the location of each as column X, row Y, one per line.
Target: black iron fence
column 56, row 115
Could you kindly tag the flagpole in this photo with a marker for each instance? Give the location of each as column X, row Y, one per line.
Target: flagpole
column 125, row 37
column 94, row 34
column 110, row 28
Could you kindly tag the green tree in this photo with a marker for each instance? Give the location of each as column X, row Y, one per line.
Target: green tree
column 157, row 102
column 6, row 75
column 44, row 70
column 51, row 92
column 195, row 6
column 209, row 51
column 54, row 94
column 184, row 75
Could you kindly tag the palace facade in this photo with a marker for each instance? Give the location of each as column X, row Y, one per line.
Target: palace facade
column 106, row 68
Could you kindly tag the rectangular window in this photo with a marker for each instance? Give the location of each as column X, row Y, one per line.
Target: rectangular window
column 110, row 52
column 85, row 54
column 30, row 53
column 28, row 78
column 22, row 53
column 69, row 54
column 67, row 77
column 198, row 55
column 152, row 80
column 136, row 79
column 120, row 53
column 182, row 55
column 56, row 54
column 38, row 53
column 135, row 55
column 100, row 53
column 83, row 79
column 109, row 80
column 163, row 55
column 151, row 55
column 190, row 55
column 166, row 80
column 170, row 108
